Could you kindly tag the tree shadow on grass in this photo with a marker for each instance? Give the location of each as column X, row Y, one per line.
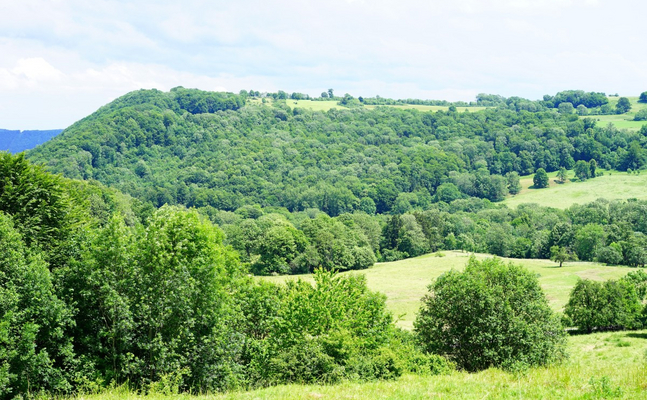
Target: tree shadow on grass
column 637, row 335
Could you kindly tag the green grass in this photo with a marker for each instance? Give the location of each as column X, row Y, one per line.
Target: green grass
column 330, row 104
column 405, row 282
column 622, row 121
column 612, row 185
column 600, row 366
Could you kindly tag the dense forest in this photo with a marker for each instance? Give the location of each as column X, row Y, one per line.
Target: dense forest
column 295, row 189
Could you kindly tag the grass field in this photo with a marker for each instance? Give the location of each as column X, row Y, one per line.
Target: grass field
column 600, row 366
column 612, row 185
column 405, row 282
column 622, row 121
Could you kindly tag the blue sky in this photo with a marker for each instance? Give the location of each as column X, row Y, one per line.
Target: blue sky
column 62, row 59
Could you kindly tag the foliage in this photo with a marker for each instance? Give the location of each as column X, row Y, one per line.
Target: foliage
column 540, row 180
column 641, row 115
column 610, row 305
column 36, row 353
column 643, row 97
column 623, row 105
column 490, row 315
column 561, row 254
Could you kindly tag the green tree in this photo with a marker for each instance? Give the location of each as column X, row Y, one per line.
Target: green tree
column 582, row 170
column 593, row 167
column 608, row 305
column 514, row 186
column 540, row 180
column 641, row 115
column 331, row 94
column 623, row 105
column 36, row 352
column 490, row 315
column 562, row 175
column 561, row 254
column 643, row 97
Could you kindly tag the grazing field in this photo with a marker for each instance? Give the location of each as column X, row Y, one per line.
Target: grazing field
column 601, row 366
column 405, row 282
column 612, row 185
column 622, row 121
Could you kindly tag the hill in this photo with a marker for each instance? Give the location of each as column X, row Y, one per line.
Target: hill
column 223, row 151
column 17, row 141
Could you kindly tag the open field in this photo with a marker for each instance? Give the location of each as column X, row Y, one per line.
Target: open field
column 405, row 282
column 612, row 185
column 622, row 121
column 600, row 366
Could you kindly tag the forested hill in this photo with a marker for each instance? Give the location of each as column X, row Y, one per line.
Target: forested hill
column 214, row 151
column 15, row 141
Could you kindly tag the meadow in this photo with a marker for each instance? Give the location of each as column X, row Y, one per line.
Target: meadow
column 612, row 185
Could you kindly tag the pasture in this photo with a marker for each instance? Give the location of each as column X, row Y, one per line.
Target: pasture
column 612, row 185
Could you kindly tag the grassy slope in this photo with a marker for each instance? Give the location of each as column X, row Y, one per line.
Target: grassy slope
column 612, row 185
column 623, row 121
column 601, row 366
column 405, row 282
column 330, row 104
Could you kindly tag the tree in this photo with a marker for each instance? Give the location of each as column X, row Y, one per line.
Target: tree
column 514, row 186
column 623, row 105
column 566, row 108
column 609, row 305
column 641, row 115
column 490, row 315
column 643, row 97
column 331, row 94
column 582, row 170
column 593, row 166
column 540, row 180
column 324, row 95
column 562, row 175
column 561, row 254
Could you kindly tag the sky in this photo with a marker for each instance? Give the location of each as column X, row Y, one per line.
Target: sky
column 60, row 60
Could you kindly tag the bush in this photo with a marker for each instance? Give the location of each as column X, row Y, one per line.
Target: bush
column 641, row 115
column 490, row 315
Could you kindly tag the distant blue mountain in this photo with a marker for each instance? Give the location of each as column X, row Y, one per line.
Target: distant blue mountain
column 17, row 141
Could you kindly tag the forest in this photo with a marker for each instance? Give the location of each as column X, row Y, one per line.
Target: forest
column 295, row 190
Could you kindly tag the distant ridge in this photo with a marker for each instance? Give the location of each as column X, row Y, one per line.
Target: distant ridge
column 17, row 141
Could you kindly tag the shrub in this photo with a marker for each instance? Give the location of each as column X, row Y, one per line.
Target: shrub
column 490, row 315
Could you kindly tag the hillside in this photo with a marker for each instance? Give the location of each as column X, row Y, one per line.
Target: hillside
column 177, row 147
column 17, row 141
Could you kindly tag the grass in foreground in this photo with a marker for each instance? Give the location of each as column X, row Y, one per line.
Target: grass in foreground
column 405, row 282
column 612, row 185
column 607, row 365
